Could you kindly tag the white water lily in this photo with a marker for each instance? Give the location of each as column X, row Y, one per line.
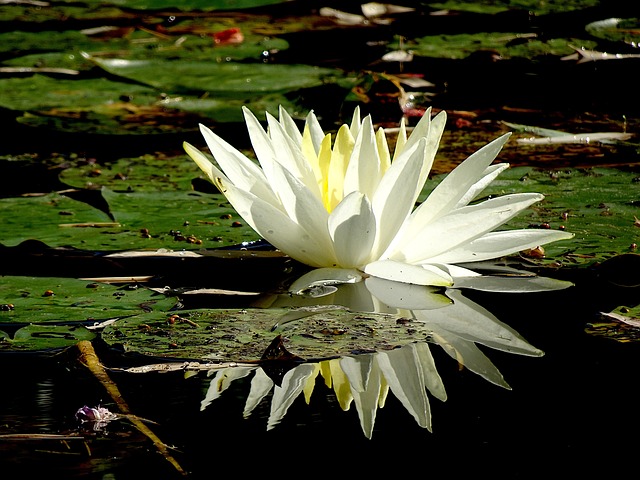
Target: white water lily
column 349, row 204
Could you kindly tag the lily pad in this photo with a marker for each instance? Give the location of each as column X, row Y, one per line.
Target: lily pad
column 56, row 300
column 40, row 338
column 621, row 325
column 599, row 205
column 150, row 173
column 170, row 219
column 137, row 220
column 244, row 335
column 219, row 78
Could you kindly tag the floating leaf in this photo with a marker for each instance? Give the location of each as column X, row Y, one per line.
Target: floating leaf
column 245, row 335
column 32, row 338
column 219, row 78
column 57, row 300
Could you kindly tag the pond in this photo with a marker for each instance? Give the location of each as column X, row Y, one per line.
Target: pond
column 197, row 358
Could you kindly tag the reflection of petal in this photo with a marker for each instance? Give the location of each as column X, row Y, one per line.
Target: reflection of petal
column 468, row 354
column 221, row 382
column 292, row 385
column 403, row 272
column 507, row 284
column 324, row 276
column 334, row 375
column 469, row 321
column 402, row 370
column 432, row 378
column 366, row 383
column 407, row 296
column 261, row 385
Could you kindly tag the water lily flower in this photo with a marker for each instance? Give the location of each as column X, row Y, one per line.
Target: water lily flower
column 350, row 204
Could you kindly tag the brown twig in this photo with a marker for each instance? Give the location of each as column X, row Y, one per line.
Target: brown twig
column 89, row 358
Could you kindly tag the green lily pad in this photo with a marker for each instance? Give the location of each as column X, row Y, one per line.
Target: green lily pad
column 140, row 220
column 245, row 335
column 219, row 78
column 600, row 206
column 175, row 220
column 39, row 338
column 496, row 6
column 42, row 217
column 621, row 324
column 204, row 5
column 18, row 93
column 149, row 173
column 507, row 45
column 56, row 300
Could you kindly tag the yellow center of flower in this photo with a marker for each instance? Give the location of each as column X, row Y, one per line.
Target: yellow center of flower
column 330, row 163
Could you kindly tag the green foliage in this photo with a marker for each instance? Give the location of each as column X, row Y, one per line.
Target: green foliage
column 599, row 205
column 57, row 300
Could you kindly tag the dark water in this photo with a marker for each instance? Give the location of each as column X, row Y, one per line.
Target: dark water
column 572, row 410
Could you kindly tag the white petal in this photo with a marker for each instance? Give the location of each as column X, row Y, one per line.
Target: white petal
column 461, row 226
column 352, row 227
column 402, row 272
column 468, row 354
column 432, row 378
column 255, row 184
column 396, row 195
column 432, row 130
column 261, row 143
column 510, row 284
column 489, row 175
column 366, row 387
column 242, row 172
column 288, row 153
column 499, row 244
column 261, row 385
column 301, row 204
column 293, row 383
column 317, row 134
column 222, row 381
column 311, row 248
column 354, row 128
column 363, row 172
column 446, row 196
column 289, row 126
column 466, row 319
column 203, row 162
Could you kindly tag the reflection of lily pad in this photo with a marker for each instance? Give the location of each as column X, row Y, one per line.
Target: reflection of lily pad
column 622, row 325
column 244, row 335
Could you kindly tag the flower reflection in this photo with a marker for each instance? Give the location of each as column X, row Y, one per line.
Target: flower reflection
column 456, row 324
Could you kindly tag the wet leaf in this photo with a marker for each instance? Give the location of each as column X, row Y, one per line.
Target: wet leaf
column 219, row 78
column 245, row 335
column 32, row 338
column 621, row 325
column 57, row 300
column 598, row 205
